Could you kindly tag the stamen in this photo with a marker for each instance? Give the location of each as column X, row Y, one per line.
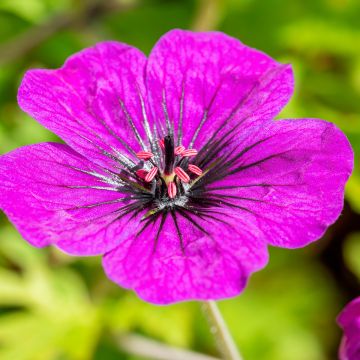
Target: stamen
column 179, row 150
column 151, row 174
column 141, row 173
column 182, row 175
column 166, row 176
column 171, row 189
column 144, row 155
column 195, row 170
column 189, row 152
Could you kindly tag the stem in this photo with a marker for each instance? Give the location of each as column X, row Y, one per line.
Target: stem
column 154, row 350
column 223, row 338
column 208, row 15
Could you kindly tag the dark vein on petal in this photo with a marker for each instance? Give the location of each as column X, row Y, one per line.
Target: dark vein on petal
column 181, row 114
column 155, row 148
column 170, row 129
column 82, row 187
column 146, row 124
column 161, row 225
column 242, row 101
column 102, row 151
column 205, row 114
column 261, row 161
column 206, row 216
column 131, row 123
column 147, row 223
column 221, row 196
column 204, row 118
column 192, row 221
column 111, row 132
column 227, row 187
column 93, row 205
column 181, row 240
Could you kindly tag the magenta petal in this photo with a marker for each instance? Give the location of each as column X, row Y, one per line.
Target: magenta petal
column 350, row 313
column 47, row 191
column 210, row 81
column 290, row 175
column 199, row 264
column 94, row 102
column 349, row 320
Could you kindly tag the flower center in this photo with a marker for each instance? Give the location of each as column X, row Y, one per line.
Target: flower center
column 172, row 174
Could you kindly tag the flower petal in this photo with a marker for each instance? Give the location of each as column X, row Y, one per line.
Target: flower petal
column 289, row 174
column 350, row 313
column 212, row 82
column 55, row 196
column 212, row 259
column 349, row 320
column 94, row 102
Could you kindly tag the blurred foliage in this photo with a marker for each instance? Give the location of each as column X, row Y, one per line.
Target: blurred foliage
column 53, row 306
column 351, row 253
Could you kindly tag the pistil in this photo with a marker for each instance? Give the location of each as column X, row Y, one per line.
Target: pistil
column 169, row 154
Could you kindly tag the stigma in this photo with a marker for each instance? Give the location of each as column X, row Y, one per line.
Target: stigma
column 172, row 171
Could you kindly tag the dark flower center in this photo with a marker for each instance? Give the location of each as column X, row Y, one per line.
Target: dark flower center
column 171, row 175
column 171, row 180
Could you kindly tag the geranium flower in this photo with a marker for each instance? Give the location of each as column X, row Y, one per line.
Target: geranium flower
column 174, row 168
column 349, row 320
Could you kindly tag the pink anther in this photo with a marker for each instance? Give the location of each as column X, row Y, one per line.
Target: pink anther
column 144, row 155
column 151, row 174
column 141, row 173
column 195, row 170
column 179, row 150
column 162, row 144
column 171, row 189
column 189, row 152
column 181, row 174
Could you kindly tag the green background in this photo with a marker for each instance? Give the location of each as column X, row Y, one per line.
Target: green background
column 53, row 306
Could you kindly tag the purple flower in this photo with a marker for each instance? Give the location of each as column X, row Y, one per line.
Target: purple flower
column 174, row 168
column 349, row 320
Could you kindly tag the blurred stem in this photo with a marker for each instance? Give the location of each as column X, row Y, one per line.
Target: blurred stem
column 150, row 349
column 219, row 329
column 35, row 36
column 208, row 15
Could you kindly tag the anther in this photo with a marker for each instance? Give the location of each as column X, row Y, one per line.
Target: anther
column 151, row 174
column 171, row 189
column 195, row 170
column 189, row 152
column 144, row 155
column 162, row 144
column 179, row 150
column 181, row 174
column 141, row 173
